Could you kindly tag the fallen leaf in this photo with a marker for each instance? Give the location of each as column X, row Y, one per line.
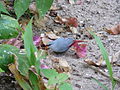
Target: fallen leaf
column 54, row 8
column 61, row 65
column 14, row 42
column 40, row 22
column 46, row 41
column 32, row 8
column 51, row 35
column 114, row 31
column 71, row 1
column 71, row 22
column 81, row 50
column 37, row 40
column 90, row 62
column 74, row 30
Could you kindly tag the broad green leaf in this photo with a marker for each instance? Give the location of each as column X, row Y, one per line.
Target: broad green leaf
column 62, row 77
column 20, row 7
column 6, row 54
column 1, row 70
column 100, row 84
column 20, row 79
column 58, row 79
column 41, row 54
column 34, row 80
column 105, row 57
column 65, row 86
column 8, row 27
column 48, row 73
column 23, row 64
column 28, row 43
column 43, row 6
column 2, row 8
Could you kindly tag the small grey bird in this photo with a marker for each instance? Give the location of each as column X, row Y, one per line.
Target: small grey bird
column 61, row 44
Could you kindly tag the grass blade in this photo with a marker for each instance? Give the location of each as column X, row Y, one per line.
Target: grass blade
column 105, row 57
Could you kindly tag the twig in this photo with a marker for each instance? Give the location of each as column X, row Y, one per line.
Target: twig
column 100, row 71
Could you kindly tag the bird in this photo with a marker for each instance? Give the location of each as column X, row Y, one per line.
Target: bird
column 61, row 45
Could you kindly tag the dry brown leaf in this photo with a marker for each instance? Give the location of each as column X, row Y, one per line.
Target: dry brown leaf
column 40, row 23
column 32, row 8
column 54, row 8
column 70, row 22
column 74, row 30
column 51, row 35
column 114, row 31
column 90, row 62
column 46, row 40
column 71, row 1
column 61, row 65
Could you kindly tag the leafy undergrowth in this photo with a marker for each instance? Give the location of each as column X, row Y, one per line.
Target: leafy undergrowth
column 22, row 54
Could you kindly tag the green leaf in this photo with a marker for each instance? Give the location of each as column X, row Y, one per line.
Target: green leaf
column 58, row 79
column 8, row 27
column 100, row 84
column 65, row 86
column 1, row 70
column 20, row 7
column 105, row 57
column 41, row 54
column 6, row 54
column 2, row 8
column 48, row 73
column 43, row 6
column 34, row 80
column 23, row 64
column 28, row 43
column 20, row 79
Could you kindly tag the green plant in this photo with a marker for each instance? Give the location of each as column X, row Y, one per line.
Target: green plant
column 105, row 57
column 25, row 65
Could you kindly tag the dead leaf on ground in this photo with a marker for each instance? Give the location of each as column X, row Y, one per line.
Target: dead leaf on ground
column 51, row 35
column 78, row 2
column 40, row 23
column 32, row 8
column 71, row 1
column 54, row 8
column 15, row 42
column 70, row 22
column 114, row 30
column 90, row 62
column 61, row 65
column 80, row 49
column 46, row 41
column 74, row 30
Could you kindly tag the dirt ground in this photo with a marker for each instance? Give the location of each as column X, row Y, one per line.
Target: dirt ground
column 98, row 14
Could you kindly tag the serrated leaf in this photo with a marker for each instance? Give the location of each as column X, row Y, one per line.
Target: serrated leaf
column 49, row 73
column 2, row 8
column 43, row 6
column 65, row 86
column 20, row 7
column 28, row 43
column 8, row 27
